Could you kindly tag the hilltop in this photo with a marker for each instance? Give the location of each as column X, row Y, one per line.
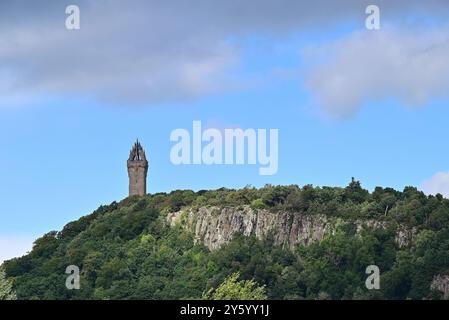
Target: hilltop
column 300, row 242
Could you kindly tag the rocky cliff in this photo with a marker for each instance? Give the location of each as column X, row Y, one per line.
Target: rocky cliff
column 214, row 226
column 441, row 283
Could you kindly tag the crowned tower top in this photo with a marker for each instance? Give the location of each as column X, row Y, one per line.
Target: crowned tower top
column 137, row 170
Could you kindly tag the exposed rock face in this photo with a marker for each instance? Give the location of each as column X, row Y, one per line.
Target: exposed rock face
column 215, row 226
column 405, row 236
column 441, row 283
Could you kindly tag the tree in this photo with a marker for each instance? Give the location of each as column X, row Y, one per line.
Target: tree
column 6, row 291
column 355, row 192
column 232, row 289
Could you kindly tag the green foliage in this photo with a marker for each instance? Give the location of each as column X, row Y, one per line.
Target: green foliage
column 233, row 289
column 258, row 204
column 126, row 250
column 6, row 291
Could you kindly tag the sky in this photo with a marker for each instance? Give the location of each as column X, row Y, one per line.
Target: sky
column 346, row 101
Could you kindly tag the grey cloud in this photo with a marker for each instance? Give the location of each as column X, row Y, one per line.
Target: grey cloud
column 151, row 51
column 408, row 65
column 438, row 183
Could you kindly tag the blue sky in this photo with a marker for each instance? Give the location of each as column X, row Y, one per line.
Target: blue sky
column 66, row 127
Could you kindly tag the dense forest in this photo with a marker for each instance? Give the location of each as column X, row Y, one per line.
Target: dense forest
column 126, row 250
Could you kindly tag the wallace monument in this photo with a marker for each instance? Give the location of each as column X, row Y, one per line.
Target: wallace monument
column 137, row 171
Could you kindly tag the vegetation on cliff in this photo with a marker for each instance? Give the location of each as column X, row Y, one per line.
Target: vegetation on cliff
column 6, row 291
column 127, row 250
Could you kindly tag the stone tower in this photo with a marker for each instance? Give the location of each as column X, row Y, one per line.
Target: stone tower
column 137, row 171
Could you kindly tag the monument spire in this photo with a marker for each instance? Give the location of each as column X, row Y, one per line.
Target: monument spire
column 137, row 170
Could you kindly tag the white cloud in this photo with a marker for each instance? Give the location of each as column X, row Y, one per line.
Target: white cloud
column 150, row 51
column 438, row 183
column 404, row 64
column 14, row 246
